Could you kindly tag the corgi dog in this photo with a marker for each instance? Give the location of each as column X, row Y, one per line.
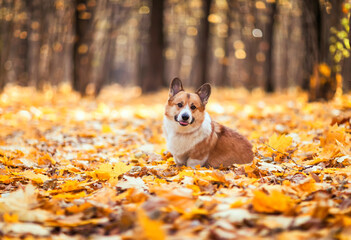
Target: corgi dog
column 193, row 138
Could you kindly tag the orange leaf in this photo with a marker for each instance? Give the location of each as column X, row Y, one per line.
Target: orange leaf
column 79, row 208
column 152, row 229
column 69, row 196
column 10, row 218
column 106, row 129
column 36, row 177
column 279, row 143
column 71, row 185
column 107, row 170
column 46, row 159
column 195, row 212
column 5, row 179
column 332, row 135
column 238, row 203
column 274, row 202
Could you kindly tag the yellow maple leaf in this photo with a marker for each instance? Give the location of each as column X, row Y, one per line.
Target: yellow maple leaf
column 178, row 197
column 74, row 221
column 346, row 221
column 196, row 189
column 69, row 196
column 326, row 155
column 279, row 143
column 195, row 212
column 5, row 179
column 10, row 218
column 185, row 173
column 4, row 160
column 35, row 177
column 238, row 203
column 72, row 185
column 332, row 135
column 151, row 229
column 79, row 208
column 121, row 168
column 107, row 171
column 106, row 128
column 132, row 196
column 46, row 159
column 274, row 202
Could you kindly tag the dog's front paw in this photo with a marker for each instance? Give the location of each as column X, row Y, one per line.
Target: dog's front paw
column 196, row 162
column 180, row 165
column 180, row 162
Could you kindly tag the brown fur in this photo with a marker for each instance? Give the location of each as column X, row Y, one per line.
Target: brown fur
column 225, row 148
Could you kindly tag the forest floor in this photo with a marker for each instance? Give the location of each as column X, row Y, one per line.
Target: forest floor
column 78, row 168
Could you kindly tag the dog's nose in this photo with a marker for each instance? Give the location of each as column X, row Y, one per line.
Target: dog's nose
column 185, row 116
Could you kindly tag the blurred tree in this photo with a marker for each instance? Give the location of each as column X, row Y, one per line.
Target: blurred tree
column 219, row 43
column 35, row 31
column 321, row 19
column 6, row 35
column 268, row 60
column 50, row 41
column 19, row 45
column 311, row 13
column 83, row 53
column 270, row 44
column 288, row 46
column 199, row 71
column 13, row 43
column 151, row 71
column 100, row 29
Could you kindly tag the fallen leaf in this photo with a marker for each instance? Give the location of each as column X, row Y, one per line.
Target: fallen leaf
column 151, row 229
column 25, row 228
column 131, row 182
column 35, row 177
column 107, row 171
column 279, row 144
column 276, row 201
column 235, row 215
column 24, row 204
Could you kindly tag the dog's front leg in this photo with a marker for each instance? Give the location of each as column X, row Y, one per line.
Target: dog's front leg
column 195, row 162
column 179, row 161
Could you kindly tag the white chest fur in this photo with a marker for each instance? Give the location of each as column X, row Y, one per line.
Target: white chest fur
column 179, row 143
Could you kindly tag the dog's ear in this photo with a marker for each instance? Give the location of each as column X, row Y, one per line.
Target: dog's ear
column 204, row 93
column 175, row 87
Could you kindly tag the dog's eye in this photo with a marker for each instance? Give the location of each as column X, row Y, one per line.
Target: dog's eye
column 180, row 105
column 193, row 107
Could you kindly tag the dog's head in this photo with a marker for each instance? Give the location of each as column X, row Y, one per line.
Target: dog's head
column 187, row 110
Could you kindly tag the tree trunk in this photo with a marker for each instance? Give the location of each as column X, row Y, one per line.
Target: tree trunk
column 199, row 72
column 152, row 62
column 346, row 74
column 323, row 80
column 269, row 59
column 20, row 44
column 227, row 45
column 6, row 33
column 82, row 52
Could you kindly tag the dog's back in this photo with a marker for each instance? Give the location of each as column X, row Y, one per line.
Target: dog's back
column 230, row 148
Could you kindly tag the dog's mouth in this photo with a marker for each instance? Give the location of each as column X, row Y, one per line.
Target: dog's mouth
column 182, row 122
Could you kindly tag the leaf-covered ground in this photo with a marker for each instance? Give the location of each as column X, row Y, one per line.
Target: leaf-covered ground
column 73, row 168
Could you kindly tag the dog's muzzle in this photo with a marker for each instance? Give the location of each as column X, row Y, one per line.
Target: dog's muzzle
column 184, row 119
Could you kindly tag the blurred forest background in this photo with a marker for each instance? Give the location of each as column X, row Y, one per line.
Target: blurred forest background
column 268, row 44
